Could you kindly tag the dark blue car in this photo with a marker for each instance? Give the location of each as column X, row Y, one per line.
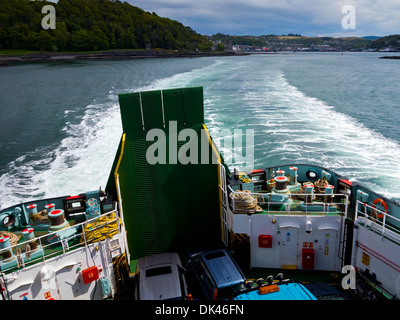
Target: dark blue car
column 217, row 276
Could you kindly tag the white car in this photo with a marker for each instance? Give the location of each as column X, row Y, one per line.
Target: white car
column 160, row 277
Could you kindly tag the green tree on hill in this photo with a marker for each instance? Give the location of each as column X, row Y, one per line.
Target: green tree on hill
column 85, row 25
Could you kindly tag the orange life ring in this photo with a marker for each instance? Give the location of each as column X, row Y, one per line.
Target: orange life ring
column 381, row 202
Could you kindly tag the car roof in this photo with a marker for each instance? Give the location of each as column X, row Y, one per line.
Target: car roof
column 223, row 269
column 156, row 259
column 159, row 277
column 287, row 291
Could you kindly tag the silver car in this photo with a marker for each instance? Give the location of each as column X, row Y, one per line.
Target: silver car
column 160, row 277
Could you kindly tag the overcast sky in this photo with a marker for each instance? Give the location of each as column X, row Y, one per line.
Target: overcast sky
column 259, row 17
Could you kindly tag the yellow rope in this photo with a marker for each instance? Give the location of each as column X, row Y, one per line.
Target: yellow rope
column 244, row 177
column 100, row 228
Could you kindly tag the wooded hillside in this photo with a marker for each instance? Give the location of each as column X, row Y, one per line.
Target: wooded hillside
column 86, row 25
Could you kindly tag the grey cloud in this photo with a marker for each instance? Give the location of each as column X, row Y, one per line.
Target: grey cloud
column 309, row 17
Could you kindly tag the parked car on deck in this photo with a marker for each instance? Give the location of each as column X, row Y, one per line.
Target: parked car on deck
column 276, row 290
column 215, row 274
column 160, row 277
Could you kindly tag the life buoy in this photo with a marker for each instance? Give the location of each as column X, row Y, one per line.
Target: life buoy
column 382, row 203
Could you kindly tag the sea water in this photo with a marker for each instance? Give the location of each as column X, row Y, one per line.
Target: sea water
column 60, row 123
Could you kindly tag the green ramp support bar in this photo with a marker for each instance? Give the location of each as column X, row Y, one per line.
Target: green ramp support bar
column 167, row 206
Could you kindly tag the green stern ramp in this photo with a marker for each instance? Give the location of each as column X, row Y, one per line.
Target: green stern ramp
column 167, row 206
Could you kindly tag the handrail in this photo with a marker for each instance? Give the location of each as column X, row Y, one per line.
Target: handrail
column 43, row 243
column 266, row 199
column 212, row 144
column 374, row 222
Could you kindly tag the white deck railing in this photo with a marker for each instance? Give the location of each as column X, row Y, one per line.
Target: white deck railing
column 58, row 247
column 290, row 207
column 380, row 225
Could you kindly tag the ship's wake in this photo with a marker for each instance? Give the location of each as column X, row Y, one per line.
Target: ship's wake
column 289, row 127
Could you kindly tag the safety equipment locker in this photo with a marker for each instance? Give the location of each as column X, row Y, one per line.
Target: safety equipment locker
column 308, row 258
column 264, row 241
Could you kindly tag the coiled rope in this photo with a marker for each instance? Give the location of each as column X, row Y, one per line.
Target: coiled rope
column 13, row 237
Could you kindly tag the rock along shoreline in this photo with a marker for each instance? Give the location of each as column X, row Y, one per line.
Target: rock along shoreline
column 390, row 57
column 6, row 60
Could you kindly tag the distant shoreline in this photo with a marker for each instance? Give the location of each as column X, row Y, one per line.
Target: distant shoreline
column 6, row 60
column 11, row 59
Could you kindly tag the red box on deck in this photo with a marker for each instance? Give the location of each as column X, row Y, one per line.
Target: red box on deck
column 264, row 241
column 90, row 274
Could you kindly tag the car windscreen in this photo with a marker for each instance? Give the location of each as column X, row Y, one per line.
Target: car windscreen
column 158, row 271
column 213, row 255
